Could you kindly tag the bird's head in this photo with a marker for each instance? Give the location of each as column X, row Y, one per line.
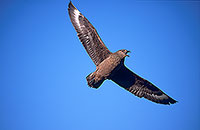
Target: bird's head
column 124, row 52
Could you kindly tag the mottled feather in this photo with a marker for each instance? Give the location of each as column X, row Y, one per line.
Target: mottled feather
column 140, row 87
column 88, row 36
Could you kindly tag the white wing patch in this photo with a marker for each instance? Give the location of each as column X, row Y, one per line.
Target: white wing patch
column 162, row 97
column 76, row 15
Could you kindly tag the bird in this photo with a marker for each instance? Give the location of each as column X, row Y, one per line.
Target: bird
column 110, row 66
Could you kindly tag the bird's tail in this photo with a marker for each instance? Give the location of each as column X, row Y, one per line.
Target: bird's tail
column 94, row 81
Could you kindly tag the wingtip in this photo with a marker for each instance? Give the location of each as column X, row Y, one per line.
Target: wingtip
column 173, row 101
column 70, row 4
column 170, row 101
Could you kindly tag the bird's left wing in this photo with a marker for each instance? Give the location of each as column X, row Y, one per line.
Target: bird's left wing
column 88, row 36
column 140, row 87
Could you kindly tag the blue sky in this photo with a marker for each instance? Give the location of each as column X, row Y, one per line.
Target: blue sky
column 43, row 65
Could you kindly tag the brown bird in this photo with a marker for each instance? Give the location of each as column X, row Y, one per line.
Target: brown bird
column 111, row 65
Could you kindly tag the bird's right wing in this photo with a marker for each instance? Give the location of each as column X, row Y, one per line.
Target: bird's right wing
column 88, row 36
column 140, row 87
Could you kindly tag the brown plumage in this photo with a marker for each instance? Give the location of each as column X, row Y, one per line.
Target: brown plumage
column 111, row 65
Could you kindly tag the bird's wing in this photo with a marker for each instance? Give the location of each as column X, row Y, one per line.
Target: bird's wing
column 140, row 87
column 88, row 36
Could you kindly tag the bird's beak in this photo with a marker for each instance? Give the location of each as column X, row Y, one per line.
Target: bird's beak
column 127, row 53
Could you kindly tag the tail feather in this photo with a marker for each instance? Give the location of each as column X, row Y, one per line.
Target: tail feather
column 93, row 81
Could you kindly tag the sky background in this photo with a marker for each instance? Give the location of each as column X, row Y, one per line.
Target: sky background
column 43, row 66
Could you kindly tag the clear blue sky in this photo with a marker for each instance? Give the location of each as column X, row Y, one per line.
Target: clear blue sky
column 43, row 65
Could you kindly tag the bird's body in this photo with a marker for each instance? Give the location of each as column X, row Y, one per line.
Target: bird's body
column 111, row 65
column 106, row 69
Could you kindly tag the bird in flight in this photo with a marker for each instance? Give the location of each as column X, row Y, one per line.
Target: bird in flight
column 111, row 65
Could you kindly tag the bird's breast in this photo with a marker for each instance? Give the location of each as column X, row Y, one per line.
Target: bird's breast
column 109, row 65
